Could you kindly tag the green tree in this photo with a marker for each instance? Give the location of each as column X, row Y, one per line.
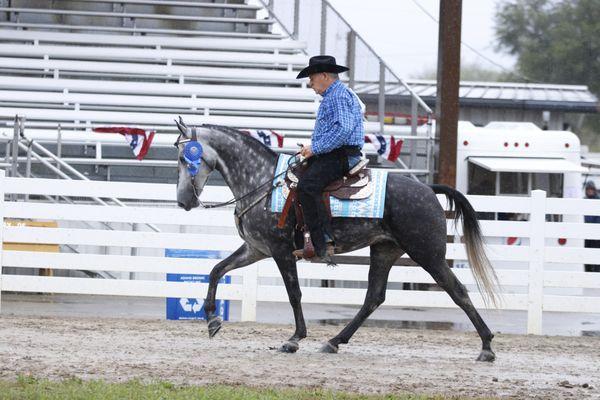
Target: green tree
column 555, row 41
column 473, row 72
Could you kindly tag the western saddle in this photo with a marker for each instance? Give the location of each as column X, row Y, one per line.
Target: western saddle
column 355, row 185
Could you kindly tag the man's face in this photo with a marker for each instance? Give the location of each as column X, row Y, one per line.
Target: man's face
column 319, row 82
column 590, row 192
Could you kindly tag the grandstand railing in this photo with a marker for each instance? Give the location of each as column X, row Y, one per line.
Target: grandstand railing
column 526, row 285
column 146, row 66
column 335, row 36
column 137, row 17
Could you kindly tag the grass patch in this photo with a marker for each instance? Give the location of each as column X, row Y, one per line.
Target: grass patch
column 26, row 388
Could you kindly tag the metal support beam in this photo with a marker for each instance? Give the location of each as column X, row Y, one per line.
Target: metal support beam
column 59, row 144
column 414, row 116
column 323, row 47
column 351, row 58
column 134, row 252
column 15, row 147
column 448, row 81
column 28, row 168
column 7, row 152
column 381, row 99
column 296, row 19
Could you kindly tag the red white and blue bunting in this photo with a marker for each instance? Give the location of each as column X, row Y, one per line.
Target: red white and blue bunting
column 267, row 137
column 387, row 147
column 139, row 141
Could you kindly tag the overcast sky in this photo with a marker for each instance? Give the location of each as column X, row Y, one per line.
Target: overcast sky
column 407, row 38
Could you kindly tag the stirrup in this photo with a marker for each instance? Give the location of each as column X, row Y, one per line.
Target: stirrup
column 299, row 253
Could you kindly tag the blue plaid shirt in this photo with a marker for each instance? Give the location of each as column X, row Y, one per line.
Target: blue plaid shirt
column 339, row 120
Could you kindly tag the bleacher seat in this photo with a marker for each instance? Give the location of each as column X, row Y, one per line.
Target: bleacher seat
column 216, row 64
column 174, row 42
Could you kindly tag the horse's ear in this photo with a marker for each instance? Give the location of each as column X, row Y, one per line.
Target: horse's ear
column 181, row 122
column 181, row 126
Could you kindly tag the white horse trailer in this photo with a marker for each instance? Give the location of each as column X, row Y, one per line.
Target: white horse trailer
column 512, row 159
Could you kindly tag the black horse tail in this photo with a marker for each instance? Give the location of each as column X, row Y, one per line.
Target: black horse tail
column 484, row 274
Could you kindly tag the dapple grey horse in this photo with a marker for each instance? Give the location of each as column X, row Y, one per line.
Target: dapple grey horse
column 414, row 222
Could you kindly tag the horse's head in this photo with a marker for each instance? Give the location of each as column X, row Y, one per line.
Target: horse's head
column 196, row 160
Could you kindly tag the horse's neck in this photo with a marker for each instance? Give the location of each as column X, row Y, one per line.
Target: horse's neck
column 244, row 166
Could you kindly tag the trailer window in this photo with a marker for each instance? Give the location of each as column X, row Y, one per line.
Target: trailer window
column 552, row 184
column 481, row 181
column 514, row 183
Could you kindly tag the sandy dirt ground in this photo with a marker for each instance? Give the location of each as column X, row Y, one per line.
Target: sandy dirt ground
column 377, row 360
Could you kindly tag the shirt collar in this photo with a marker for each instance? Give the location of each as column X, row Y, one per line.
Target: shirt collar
column 331, row 87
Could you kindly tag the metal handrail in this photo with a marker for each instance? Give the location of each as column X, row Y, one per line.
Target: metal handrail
column 68, row 168
column 27, row 147
column 413, row 94
column 383, row 68
column 279, row 22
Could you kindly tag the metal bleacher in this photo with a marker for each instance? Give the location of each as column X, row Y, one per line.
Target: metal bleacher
column 73, row 65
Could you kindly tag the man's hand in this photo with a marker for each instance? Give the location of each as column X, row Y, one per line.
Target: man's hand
column 306, row 151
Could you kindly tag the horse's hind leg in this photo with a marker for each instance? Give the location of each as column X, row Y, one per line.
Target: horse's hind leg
column 243, row 256
column 445, row 278
column 289, row 273
column 383, row 255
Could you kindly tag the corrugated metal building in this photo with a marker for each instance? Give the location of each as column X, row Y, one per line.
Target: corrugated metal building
column 549, row 106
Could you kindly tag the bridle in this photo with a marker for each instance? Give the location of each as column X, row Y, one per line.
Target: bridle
column 192, row 157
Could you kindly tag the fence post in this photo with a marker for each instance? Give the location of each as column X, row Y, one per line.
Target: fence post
column 535, row 295
column 249, row 291
column 2, row 183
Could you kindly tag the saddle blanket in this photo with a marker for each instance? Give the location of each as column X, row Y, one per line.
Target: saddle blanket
column 371, row 207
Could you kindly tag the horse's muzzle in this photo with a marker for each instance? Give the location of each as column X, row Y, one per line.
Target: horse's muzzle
column 186, row 206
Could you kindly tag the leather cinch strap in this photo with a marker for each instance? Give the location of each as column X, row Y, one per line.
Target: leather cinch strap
column 286, row 209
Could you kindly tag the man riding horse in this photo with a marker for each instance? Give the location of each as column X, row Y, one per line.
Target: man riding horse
column 335, row 147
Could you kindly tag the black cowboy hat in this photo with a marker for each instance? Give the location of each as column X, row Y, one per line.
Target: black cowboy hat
column 318, row 64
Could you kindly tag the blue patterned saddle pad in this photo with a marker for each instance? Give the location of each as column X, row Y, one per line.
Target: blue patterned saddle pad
column 371, row 207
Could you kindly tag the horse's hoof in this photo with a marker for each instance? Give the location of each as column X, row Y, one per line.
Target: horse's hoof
column 329, row 348
column 214, row 325
column 486, row 355
column 289, row 347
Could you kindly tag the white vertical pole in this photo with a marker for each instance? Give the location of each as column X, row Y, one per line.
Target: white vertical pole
column 535, row 297
column 323, row 45
column 381, row 97
column 296, row 19
column 249, row 289
column 2, row 182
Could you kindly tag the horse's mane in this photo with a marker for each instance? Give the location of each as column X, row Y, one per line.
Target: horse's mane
column 241, row 136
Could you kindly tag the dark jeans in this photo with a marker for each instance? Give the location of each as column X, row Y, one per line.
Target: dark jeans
column 322, row 170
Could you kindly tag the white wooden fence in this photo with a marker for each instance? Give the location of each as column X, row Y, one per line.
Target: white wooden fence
column 538, row 255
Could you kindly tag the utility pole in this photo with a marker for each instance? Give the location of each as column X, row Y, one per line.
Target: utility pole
column 448, row 82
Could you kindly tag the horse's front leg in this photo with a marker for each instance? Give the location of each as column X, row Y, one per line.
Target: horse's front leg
column 242, row 257
column 289, row 273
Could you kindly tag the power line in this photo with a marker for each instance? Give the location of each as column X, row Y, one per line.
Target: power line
column 474, row 50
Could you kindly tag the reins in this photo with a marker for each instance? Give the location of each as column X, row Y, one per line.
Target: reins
column 256, row 189
column 242, row 197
